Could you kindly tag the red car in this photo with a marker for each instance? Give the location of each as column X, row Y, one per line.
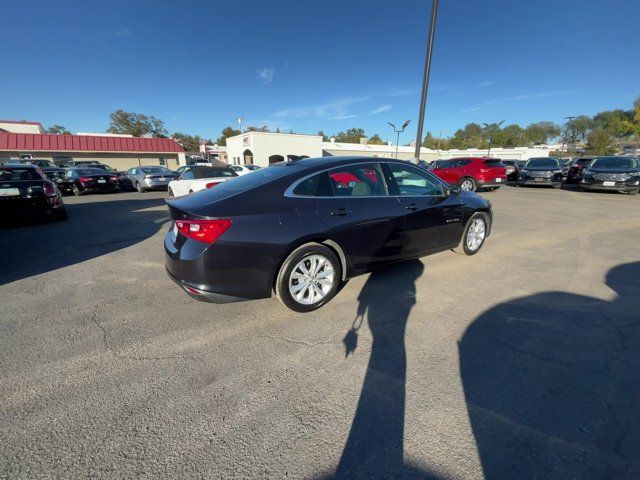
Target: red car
column 473, row 173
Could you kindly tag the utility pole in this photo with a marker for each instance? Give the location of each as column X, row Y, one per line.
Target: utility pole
column 425, row 78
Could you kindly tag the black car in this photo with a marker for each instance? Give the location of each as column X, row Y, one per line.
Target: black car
column 513, row 168
column 25, row 191
column 83, row 180
column 574, row 175
column 300, row 229
column 50, row 169
column 123, row 182
column 612, row 173
column 541, row 171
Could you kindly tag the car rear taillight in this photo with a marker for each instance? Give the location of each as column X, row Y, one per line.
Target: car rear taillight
column 206, row 231
column 85, row 179
column 211, row 184
column 113, row 179
column 49, row 189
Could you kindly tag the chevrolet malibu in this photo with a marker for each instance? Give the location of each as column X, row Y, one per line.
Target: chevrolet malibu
column 300, row 229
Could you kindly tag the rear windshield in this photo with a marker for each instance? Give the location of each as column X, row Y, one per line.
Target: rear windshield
column 89, row 171
column 583, row 161
column 257, row 178
column 542, row 163
column 493, row 162
column 17, row 174
column 213, row 172
column 614, row 162
column 156, row 170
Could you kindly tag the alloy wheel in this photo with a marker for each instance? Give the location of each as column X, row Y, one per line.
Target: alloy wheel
column 467, row 185
column 311, row 279
column 475, row 234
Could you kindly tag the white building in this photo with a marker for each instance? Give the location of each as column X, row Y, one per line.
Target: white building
column 20, row 126
column 264, row 148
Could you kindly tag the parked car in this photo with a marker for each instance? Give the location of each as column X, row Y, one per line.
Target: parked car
column 152, row 177
column 25, row 190
column 434, row 164
column 473, row 173
column 123, row 181
column 566, row 165
column 50, row 169
column 81, row 180
column 313, row 234
column 541, row 171
column 79, row 163
column 612, row 173
column 574, row 175
column 513, row 167
column 195, row 178
column 244, row 169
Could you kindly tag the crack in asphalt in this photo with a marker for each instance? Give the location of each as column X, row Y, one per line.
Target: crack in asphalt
column 114, row 352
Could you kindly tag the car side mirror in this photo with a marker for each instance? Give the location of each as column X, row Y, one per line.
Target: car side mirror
column 454, row 190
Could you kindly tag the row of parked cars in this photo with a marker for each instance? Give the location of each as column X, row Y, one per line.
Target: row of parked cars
column 36, row 187
column 618, row 173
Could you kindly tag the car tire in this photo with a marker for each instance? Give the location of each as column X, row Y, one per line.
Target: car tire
column 140, row 188
column 293, row 270
column 473, row 248
column 76, row 191
column 468, row 184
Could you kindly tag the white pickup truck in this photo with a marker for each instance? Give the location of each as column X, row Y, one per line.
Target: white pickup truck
column 197, row 177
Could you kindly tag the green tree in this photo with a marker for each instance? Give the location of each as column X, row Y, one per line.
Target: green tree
column 263, row 128
column 226, row 133
column 614, row 121
column 600, row 142
column 58, row 130
column 376, row 140
column 541, row 132
column 513, row 136
column 353, row 135
column 430, row 142
column 136, row 124
column 190, row 143
column 324, row 137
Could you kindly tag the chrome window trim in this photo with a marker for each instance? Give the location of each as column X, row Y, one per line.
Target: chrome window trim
column 289, row 191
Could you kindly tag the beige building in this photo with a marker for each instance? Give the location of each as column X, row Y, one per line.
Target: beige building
column 265, row 148
column 21, row 126
column 117, row 151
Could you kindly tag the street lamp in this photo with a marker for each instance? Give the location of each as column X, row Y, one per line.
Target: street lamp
column 240, row 120
column 425, row 78
column 494, row 127
column 399, row 131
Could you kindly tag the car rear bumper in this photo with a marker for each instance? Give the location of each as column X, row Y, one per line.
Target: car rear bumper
column 205, row 295
column 491, row 183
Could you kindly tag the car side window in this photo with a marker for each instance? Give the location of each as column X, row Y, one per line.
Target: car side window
column 446, row 164
column 187, row 175
column 413, row 182
column 361, row 180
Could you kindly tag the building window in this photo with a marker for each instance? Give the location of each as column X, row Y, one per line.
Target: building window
column 26, row 156
column 163, row 161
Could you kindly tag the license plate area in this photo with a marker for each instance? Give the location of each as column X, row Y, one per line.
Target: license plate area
column 609, row 184
column 498, row 180
column 539, row 179
column 101, row 180
column 9, row 192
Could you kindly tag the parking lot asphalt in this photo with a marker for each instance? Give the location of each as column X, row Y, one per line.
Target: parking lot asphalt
column 519, row 362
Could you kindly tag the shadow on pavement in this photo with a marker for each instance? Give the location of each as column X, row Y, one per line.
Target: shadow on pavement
column 552, row 384
column 94, row 228
column 374, row 448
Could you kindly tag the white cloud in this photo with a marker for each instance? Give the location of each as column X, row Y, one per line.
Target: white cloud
column 343, row 116
column 523, row 97
column 266, row 74
column 380, row 109
column 334, row 109
column 486, row 83
column 123, row 32
column 401, row 92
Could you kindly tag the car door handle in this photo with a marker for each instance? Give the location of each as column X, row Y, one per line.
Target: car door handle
column 413, row 206
column 341, row 212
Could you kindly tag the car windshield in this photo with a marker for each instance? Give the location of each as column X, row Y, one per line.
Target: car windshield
column 213, row 172
column 156, row 170
column 253, row 167
column 17, row 174
column 104, row 167
column 542, row 163
column 614, row 162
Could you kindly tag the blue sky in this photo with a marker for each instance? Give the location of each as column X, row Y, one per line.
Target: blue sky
column 312, row 66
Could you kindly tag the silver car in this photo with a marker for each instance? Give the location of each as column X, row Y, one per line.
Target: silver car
column 152, row 177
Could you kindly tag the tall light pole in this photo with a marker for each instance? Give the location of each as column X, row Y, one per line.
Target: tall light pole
column 569, row 119
column 240, row 120
column 399, row 131
column 425, row 78
column 493, row 127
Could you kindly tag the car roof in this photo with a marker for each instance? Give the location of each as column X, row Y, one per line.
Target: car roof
column 20, row 166
column 335, row 161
